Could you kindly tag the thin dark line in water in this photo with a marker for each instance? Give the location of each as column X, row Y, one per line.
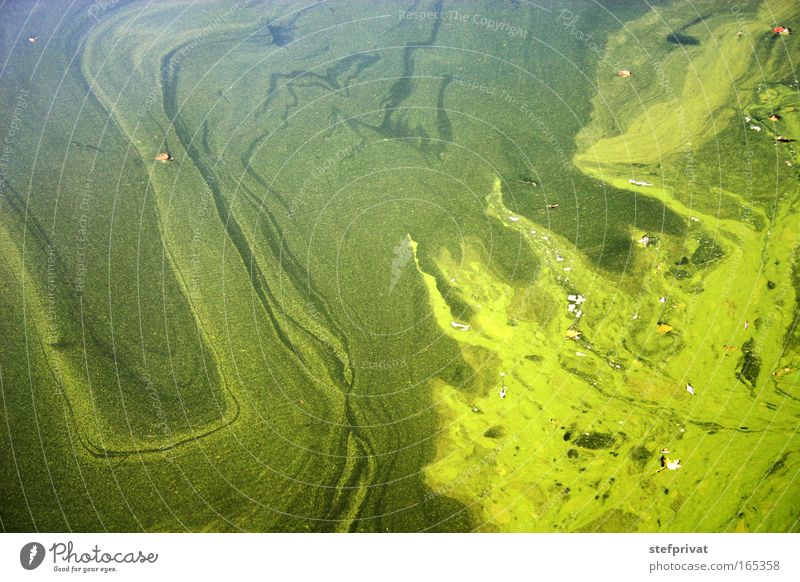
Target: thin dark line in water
column 87, row 146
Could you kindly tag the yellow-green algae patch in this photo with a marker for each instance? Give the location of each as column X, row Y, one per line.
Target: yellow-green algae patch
column 677, row 97
column 574, row 443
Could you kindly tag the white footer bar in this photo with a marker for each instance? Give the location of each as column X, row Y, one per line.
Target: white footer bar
column 416, row 557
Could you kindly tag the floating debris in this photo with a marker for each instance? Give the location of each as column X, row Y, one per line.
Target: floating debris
column 574, row 301
column 747, row 119
column 694, row 219
column 663, row 328
column 461, row 326
column 662, row 299
column 503, row 393
column 33, row 39
column 671, row 464
column 475, row 409
column 559, row 259
column 639, row 182
column 514, row 218
column 782, row 30
column 533, row 232
column 572, row 334
column 783, row 372
column 624, row 73
column 755, row 127
column 774, row 117
column 581, row 354
column 552, row 206
column 746, row 325
column 164, row 157
column 567, row 269
column 644, row 241
column 690, row 389
column 782, row 139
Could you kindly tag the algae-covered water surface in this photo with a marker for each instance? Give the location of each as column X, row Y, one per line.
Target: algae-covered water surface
column 400, row 266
